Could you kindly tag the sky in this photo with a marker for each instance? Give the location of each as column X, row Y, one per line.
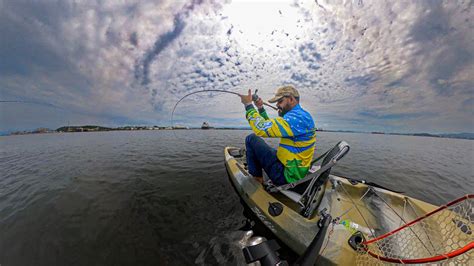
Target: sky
column 392, row 66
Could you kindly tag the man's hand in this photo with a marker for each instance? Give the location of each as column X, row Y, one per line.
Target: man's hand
column 246, row 99
column 259, row 103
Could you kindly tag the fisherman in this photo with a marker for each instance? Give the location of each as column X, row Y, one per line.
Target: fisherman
column 295, row 128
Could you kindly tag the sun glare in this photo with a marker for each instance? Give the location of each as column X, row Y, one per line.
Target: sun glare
column 267, row 24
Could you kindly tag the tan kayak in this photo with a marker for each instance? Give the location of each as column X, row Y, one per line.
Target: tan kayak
column 356, row 209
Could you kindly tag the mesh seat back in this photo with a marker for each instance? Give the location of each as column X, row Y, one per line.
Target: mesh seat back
column 335, row 153
column 313, row 194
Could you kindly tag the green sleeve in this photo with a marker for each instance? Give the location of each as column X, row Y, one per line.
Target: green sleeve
column 268, row 128
column 263, row 113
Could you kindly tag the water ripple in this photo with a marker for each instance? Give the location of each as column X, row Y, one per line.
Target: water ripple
column 164, row 198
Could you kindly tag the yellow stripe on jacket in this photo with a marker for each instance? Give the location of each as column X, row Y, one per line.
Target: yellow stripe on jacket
column 298, row 138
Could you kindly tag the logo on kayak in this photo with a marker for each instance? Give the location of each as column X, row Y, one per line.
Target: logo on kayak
column 263, row 218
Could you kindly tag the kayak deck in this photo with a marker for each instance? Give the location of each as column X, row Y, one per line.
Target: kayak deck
column 373, row 211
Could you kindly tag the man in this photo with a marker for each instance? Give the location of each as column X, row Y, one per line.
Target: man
column 295, row 128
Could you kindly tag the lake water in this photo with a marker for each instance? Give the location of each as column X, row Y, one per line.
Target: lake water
column 163, row 197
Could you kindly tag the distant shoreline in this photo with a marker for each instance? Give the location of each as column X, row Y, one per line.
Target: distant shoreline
column 75, row 129
column 93, row 128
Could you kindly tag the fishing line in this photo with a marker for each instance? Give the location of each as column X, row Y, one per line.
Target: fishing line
column 182, row 98
column 210, row 90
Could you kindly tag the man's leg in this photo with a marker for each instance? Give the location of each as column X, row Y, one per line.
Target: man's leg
column 276, row 171
column 260, row 155
column 255, row 147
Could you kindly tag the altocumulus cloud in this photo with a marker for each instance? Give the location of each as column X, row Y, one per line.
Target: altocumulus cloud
column 364, row 65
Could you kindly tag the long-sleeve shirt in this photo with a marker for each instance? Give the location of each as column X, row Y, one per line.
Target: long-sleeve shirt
column 297, row 138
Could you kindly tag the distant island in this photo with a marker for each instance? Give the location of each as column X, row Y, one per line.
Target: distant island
column 443, row 135
column 94, row 128
column 205, row 126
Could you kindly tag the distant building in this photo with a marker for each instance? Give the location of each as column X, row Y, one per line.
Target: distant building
column 42, row 130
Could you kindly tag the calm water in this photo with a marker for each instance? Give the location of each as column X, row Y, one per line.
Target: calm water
column 163, row 197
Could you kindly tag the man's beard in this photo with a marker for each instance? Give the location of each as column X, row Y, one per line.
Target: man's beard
column 281, row 112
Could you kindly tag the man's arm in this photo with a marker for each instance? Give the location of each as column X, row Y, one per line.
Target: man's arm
column 267, row 127
column 261, row 110
column 273, row 128
column 263, row 113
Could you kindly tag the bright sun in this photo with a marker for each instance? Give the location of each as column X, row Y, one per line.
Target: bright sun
column 268, row 24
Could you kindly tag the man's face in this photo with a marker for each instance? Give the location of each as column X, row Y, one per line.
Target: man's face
column 284, row 105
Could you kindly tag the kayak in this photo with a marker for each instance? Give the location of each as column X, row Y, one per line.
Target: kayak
column 358, row 211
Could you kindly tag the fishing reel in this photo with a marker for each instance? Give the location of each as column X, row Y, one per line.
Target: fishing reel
column 255, row 96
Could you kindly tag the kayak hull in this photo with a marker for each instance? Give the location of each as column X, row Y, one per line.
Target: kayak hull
column 373, row 211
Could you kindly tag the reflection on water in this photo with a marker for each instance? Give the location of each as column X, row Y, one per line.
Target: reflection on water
column 153, row 197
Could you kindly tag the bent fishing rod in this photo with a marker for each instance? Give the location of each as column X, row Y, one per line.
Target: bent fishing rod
column 254, row 98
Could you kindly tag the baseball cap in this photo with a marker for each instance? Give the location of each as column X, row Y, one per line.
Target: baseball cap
column 284, row 91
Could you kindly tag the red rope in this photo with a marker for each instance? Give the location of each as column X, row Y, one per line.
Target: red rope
column 469, row 196
column 449, row 255
column 426, row 260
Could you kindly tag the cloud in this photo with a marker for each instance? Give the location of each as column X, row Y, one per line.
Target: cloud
column 357, row 65
column 392, row 116
column 142, row 69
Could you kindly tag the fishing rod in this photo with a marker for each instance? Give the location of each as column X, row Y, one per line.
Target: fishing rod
column 254, row 98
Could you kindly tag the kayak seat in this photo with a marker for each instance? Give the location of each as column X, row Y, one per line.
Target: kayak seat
column 309, row 191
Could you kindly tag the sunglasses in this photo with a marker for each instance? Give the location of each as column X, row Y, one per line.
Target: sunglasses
column 281, row 99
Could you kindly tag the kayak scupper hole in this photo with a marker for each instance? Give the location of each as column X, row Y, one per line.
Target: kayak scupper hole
column 356, row 240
